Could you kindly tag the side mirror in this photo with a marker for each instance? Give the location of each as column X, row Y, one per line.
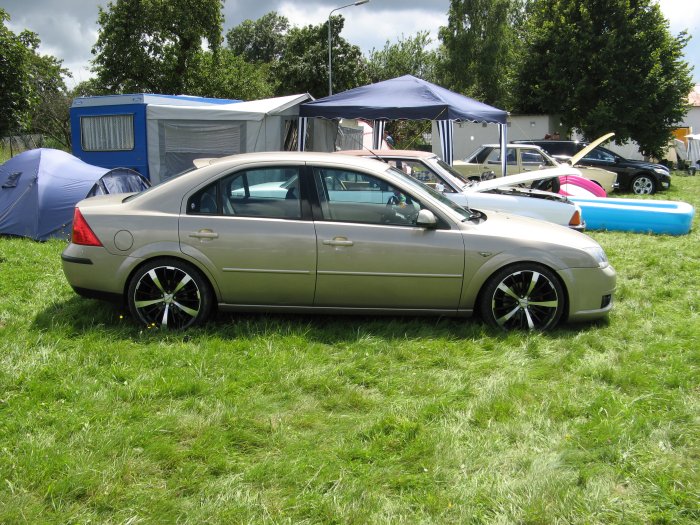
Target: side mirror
column 426, row 219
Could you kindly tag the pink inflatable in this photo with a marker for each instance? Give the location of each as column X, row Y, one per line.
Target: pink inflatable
column 575, row 186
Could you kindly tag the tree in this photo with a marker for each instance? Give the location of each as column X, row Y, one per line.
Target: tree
column 150, row 45
column 480, row 47
column 33, row 95
column 606, row 65
column 303, row 66
column 261, row 40
column 15, row 91
column 50, row 111
column 228, row 76
column 408, row 56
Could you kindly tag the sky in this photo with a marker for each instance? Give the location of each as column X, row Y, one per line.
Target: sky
column 68, row 28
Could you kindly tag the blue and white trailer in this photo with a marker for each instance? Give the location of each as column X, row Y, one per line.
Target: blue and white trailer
column 110, row 131
column 160, row 135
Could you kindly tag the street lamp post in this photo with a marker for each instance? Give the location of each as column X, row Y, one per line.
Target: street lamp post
column 330, row 75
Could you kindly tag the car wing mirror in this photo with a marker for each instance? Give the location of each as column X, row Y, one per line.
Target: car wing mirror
column 426, row 219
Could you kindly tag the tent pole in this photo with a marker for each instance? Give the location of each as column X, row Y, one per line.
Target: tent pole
column 503, row 128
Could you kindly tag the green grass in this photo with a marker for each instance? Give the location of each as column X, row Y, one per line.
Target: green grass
column 300, row 419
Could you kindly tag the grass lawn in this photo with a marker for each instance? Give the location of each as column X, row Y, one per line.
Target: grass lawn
column 296, row 419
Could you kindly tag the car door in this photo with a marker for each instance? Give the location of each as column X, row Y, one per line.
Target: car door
column 371, row 254
column 532, row 160
column 256, row 235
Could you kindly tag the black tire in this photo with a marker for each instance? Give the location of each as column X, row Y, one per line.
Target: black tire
column 524, row 296
column 643, row 185
column 169, row 293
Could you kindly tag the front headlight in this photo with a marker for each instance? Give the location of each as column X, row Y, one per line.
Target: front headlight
column 598, row 255
column 662, row 171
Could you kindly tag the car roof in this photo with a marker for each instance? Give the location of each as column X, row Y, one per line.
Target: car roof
column 414, row 154
column 512, row 145
column 212, row 167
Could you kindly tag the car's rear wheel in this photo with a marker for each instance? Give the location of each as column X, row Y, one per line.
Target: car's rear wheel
column 169, row 293
column 643, row 185
column 525, row 296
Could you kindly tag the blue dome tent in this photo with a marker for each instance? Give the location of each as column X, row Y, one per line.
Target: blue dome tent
column 40, row 188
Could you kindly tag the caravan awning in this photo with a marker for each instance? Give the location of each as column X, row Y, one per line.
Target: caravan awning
column 255, row 110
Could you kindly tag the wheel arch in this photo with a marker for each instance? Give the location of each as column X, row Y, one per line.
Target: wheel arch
column 493, row 270
column 205, row 274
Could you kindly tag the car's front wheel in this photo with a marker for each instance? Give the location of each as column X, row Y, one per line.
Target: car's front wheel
column 643, row 185
column 525, row 296
column 169, row 293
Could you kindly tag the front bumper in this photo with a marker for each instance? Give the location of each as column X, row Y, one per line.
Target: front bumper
column 591, row 292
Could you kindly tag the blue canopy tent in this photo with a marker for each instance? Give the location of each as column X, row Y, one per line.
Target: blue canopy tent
column 40, row 188
column 406, row 98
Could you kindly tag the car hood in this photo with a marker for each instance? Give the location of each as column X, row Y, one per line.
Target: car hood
column 499, row 230
column 585, row 151
column 642, row 164
column 521, row 178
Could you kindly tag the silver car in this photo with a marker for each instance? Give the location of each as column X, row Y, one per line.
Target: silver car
column 326, row 233
column 495, row 194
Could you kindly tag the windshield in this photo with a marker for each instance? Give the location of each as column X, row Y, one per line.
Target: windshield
column 461, row 180
column 465, row 213
column 478, row 156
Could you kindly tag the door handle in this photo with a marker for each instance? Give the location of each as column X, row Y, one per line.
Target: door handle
column 338, row 241
column 204, row 234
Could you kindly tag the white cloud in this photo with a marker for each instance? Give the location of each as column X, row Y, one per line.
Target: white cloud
column 370, row 28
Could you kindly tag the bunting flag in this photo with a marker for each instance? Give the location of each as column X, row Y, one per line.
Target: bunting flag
column 378, row 133
column 445, row 132
column 503, row 128
column 301, row 138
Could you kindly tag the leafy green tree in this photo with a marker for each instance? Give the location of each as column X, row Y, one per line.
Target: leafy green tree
column 259, row 40
column 408, row 56
column 15, row 91
column 227, row 75
column 480, row 48
column 33, row 94
column 149, row 45
column 50, row 111
column 606, row 65
column 303, row 66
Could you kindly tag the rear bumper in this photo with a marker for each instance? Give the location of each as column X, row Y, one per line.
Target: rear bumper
column 79, row 268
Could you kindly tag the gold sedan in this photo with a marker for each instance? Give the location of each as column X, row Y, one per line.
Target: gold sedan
column 313, row 232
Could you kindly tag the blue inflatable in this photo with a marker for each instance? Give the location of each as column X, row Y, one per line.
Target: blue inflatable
column 636, row 215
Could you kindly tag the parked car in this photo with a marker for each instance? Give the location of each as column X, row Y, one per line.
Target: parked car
column 522, row 158
column 637, row 176
column 340, row 235
column 429, row 169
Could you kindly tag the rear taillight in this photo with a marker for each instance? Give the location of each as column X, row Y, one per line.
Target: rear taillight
column 82, row 233
column 575, row 219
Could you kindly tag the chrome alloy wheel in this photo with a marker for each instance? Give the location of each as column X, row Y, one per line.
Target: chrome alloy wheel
column 526, row 299
column 166, row 296
column 642, row 185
